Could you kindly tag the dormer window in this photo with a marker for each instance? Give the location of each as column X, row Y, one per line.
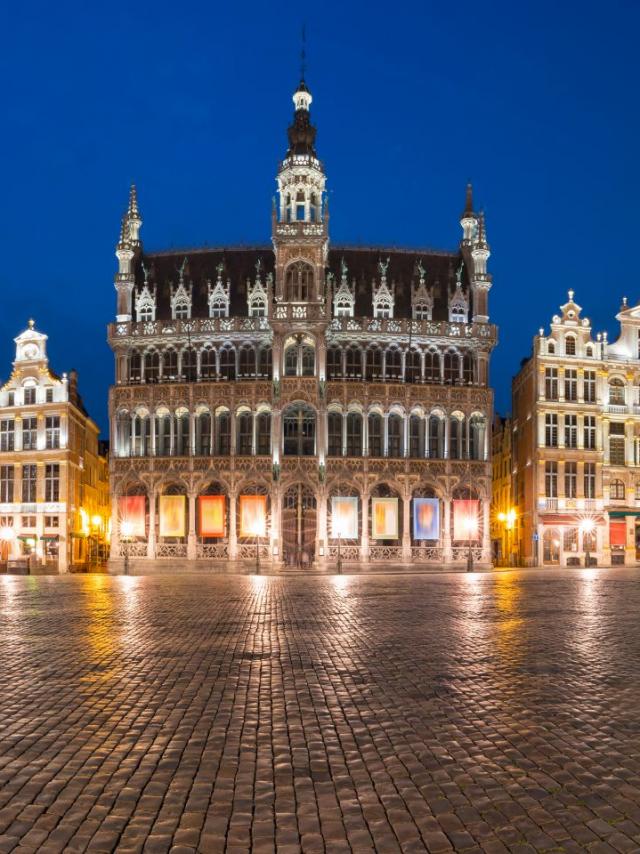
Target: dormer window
column 218, row 309
column 382, row 310
column 29, row 396
column 570, row 345
column 422, row 311
column 458, row 314
column 181, row 311
column 145, row 313
column 344, row 309
column 258, row 308
column 551, row 348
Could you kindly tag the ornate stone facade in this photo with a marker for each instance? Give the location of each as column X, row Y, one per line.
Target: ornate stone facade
column 303, row 372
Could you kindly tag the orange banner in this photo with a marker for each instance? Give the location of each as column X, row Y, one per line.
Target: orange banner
column 172, row 515
column 132, row 509
column 466, row 519
column 212, row 515
column 253, row 515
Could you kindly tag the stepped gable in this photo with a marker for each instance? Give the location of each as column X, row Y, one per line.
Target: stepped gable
column 163, row 271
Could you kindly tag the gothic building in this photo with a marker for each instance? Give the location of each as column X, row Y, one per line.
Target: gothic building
column 301, row 401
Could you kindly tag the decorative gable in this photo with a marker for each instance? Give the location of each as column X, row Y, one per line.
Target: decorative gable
column 182, row 296
column 146, row 300
column 383, row 294
column 258, row 293
column 344, row 298
column 421, row 296
column 458, row 302
column 218, row 295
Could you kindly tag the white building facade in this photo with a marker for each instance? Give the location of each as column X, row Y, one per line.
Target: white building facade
column 577, row 443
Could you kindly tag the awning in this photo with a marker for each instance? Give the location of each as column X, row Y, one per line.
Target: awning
column 570, row 519
column 620, row 514
column 50, row 537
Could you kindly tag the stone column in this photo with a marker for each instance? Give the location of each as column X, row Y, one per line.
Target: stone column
column 151, row 536
column 321, row 531
column 364, row 540
column 406, row 529
column 115, row 527
column 191, row 537
column 233, row 538
column 447, row 554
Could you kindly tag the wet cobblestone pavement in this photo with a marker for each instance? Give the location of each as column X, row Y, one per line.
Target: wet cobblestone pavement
column 485, row 712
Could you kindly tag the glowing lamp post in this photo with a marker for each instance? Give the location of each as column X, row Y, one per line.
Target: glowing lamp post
column 258, row 530
column 508, row 519
column 126, row 531
column 588, row 527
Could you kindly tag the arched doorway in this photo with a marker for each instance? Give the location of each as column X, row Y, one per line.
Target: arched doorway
column 298, row 526
column 551, row 547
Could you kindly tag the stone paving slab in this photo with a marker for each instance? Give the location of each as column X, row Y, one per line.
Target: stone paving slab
column 404, row 713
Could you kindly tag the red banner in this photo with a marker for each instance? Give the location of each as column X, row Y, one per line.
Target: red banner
column 132, row 509
column 212, row 515
column 618, row 533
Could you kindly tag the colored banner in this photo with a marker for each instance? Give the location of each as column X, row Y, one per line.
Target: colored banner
column 212, row 515
column 466, row 519
column 426, row 519
column 253, row 515
column 132, row 511
column 173, row 515
column 617, row 533
column 344, row 518
column 384, row 518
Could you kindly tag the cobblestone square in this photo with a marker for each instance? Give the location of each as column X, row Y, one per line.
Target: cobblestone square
column 455, row 712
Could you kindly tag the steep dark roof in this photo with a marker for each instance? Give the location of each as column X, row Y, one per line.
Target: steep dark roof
column 240, row 264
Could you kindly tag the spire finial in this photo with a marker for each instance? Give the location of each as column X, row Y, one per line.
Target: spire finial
column 133, row 201
column 32, row 323
column 468, row 205
column 303, row 53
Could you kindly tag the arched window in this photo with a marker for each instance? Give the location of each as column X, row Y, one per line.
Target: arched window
column 182, row 311
column 247, row 362
column 135, row 366
column 258, row 307
column 451, row 366
column 244, row 429
column 393, row 364
column 228, row 363
column 616, row 490
column 416, row 436
column 308, row 360
column 223, row 434
column 334, row 363
column 374, row 429
column 412, row 366
column 436, row 437
column 394, row 435
column 334, row 420
column 291, row 360
column 145, row 312
column 264, row 362
column 299, row 430
column 551, row 348
column 163, row 433
column 141, row 442
column 467, row 368
column 170, row 364
column 203, row 434
column 189, row 365
column 354, row 434
column 374, row 363
column 218, row 308
column 299, row 282
column 151, row 366
column 123, row 434
column 589, row 350
column 570, row 345
column 616, row 392
column 263, row 434
column 353, row 362
column 476, row 437
column 208, row 363
column 182, row 433
column 432, row 366
column 422, row 311
column 456, row 437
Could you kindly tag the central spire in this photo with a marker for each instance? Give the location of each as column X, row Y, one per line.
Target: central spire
column 302, row 134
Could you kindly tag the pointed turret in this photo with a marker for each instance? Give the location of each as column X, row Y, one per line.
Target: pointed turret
column 480, row 280
column 128, row 243
column 468, row 220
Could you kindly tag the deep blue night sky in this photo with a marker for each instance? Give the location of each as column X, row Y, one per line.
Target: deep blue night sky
column 536, row 103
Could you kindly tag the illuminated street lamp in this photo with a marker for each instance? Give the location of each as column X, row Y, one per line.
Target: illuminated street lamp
column 588, row 527
column 126, row 532
column 508, row 519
